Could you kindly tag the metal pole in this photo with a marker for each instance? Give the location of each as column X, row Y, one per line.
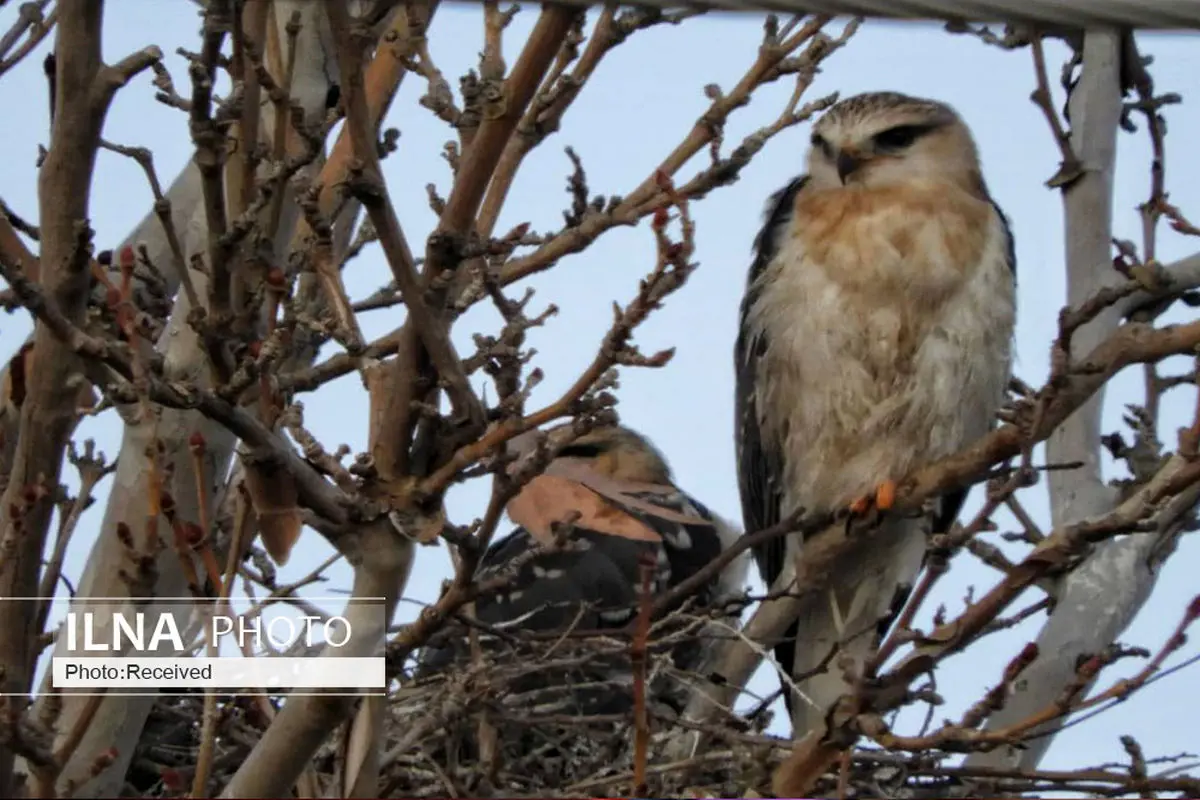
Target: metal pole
column 1139, row 14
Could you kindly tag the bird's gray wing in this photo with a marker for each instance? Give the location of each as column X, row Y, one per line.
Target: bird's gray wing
column 592, row 585
column 1010, row 245
column 951, row 503
column 595, row 582
column 603, row 577
column 760, row 462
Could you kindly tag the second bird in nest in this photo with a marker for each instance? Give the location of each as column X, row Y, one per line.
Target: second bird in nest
column 627, row 512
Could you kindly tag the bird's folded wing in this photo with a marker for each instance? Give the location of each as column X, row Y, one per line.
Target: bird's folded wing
column 625, row 493
column 548, row 499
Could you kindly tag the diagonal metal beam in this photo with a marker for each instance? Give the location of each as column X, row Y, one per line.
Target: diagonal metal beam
column 1140, row 14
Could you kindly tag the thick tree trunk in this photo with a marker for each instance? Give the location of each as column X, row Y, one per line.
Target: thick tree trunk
column 1099, row 599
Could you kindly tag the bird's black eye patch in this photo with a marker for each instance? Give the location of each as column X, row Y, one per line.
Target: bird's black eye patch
column 901, row 136
column 581, row 451
column 818, row 141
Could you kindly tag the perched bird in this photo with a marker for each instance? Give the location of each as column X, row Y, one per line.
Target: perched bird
column 626, row 511
column 876, row 337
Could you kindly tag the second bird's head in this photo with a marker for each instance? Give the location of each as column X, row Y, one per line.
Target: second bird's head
column 614, row 451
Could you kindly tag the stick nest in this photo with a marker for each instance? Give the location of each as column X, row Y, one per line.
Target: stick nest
column 526, row 715
column 553, row 716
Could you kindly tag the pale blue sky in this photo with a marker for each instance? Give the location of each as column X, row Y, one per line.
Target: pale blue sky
column 643, row 99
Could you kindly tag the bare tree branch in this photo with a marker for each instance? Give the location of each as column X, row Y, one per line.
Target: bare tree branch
column 119, row 723
column 48, row 414
column 202, row 330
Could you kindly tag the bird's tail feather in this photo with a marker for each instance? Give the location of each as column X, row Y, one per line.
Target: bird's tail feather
column 836, row 630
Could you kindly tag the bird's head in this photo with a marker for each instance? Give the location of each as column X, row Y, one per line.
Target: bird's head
column 887, row 138
column 614, row 451
column 620, row 453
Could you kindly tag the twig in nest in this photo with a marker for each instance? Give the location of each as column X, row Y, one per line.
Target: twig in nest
column 637, row 657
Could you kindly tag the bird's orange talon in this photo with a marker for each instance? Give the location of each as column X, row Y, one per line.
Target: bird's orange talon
column 885, row 495
column 860, row 506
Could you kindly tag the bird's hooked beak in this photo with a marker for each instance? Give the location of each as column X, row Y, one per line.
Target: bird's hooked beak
column 848, row 162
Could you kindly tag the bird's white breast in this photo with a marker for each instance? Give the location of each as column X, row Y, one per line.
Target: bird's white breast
column 888, row 319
